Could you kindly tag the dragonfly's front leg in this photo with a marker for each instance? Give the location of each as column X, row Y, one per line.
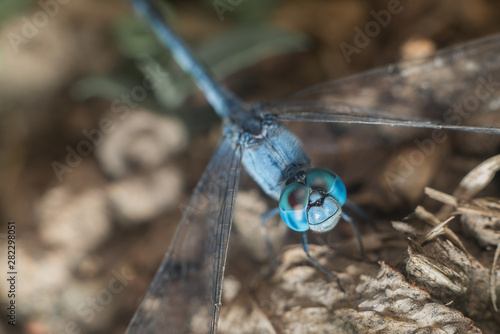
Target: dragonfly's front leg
column 349, row 219
column 305, row 246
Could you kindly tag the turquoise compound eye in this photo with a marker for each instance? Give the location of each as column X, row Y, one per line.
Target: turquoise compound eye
column 326, row 181
column 293, row 206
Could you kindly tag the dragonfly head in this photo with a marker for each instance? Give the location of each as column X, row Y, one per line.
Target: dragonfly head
column 314, row 204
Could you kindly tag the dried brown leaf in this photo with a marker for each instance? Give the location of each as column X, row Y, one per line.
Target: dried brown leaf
column 299, row 299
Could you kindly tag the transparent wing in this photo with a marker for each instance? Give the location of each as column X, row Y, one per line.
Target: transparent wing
column 185, row 295
column 444, row 90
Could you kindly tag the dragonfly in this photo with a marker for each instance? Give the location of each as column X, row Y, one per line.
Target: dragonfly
column 185, row 295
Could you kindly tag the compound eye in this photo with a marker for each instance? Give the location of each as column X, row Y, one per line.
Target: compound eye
column 293, row 206
column 326, row 181
column 295, row 196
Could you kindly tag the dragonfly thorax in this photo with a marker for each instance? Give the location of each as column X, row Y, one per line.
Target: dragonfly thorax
column 272, row 155
column 315, row 203
column 248, row 121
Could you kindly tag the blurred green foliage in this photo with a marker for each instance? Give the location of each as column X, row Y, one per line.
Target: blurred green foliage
column 228, row 53
column 10, row 8
column 243, row 11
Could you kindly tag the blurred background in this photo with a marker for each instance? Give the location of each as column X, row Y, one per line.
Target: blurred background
column 103, row 137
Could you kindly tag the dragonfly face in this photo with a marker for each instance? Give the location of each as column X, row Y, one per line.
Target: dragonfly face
column 314, row 203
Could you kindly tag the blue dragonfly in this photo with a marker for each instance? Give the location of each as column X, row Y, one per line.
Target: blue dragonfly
column 185, row 295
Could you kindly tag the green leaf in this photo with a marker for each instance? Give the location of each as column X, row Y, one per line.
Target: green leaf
column 10, row 8
column 134, row 39
column 107, row 87
column 244, row 47
column 227, row 54
column 243, row 11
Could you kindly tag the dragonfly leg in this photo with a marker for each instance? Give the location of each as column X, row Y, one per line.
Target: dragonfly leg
column 305, row 246
column 349, row 219
column 265, row 234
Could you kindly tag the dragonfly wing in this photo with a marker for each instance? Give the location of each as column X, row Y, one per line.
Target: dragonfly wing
column 444, row 90
column 185, row 295
column 337, row 112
